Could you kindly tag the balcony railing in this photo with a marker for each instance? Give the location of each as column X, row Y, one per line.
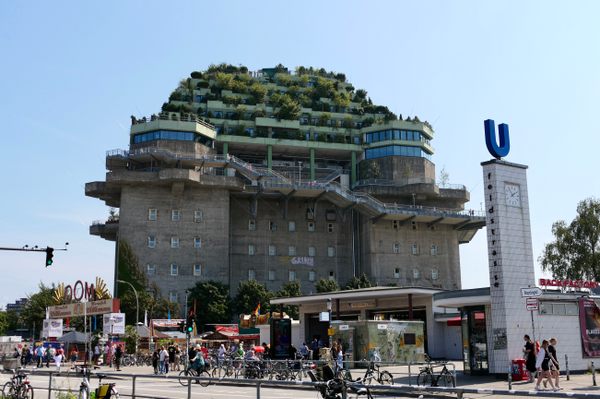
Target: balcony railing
column 172, row 116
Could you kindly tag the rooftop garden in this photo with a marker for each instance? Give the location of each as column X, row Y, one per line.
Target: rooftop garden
column 288, row 95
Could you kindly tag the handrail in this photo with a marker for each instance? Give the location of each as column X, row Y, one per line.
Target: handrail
column 172, row 116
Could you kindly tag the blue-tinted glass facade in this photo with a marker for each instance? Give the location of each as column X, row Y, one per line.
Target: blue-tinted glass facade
column 163, row 135
column 395, row 134
column 402, row 150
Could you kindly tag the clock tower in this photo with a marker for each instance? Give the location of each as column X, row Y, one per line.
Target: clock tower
column 510, row 258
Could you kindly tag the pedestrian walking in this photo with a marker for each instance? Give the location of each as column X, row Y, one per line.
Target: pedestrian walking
column 171, row 351
column 58, row 358
column 118, row 356
column 554, row 365
column 542, row 364
column 530, row 358
column 155, row 361
column 40, row 355
column 177, row 358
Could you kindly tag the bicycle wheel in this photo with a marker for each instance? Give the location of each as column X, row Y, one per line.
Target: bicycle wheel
column 204, row 374
column 386, row 378
column 219, row 372
column 446, row 380
column 114, row 394
column 425, row 379
column 183, row 377
column 83, row 394
column 26, row 392
column 8, row 390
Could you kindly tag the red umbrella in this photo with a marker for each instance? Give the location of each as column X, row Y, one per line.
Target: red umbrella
column 258, row 349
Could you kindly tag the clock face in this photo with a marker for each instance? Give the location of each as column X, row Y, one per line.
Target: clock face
column 513, row 195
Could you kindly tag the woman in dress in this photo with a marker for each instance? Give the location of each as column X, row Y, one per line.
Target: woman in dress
column 543, row 365
column 529, row 354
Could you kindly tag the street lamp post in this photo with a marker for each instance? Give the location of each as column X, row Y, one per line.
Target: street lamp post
column 137, row 301
column 328, row 329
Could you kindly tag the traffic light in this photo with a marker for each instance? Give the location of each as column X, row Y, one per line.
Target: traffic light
column 182, row 326
column 189, row 323
column 49, row 256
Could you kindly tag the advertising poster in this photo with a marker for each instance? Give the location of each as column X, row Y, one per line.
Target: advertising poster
column 281, row 338
column 114, row 323
column 589, row 320
column 52, row 328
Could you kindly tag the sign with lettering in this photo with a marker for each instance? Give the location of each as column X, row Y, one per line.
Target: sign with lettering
column 114, row 323
column 531, row 292
column 303, row 260
column 52, row 328
column 83, row 308
column 497, row 150
column 544, row 282
column 532, row 304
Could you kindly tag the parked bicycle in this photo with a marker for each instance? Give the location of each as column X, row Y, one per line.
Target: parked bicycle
column 428, row 377
column 18, row 387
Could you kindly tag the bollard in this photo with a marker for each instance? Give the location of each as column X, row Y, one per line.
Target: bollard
column 567, row 367
column 133, row 387
column 510, row 377
column 50, row 386
column 189, row 392
column 258, row 390
column 409, row 383
column 593, row 375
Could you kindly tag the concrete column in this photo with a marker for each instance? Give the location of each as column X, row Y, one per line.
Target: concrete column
column 225, row 148
column 353, row 170
column 269, row 157
column 312, row 164
column 410, row 307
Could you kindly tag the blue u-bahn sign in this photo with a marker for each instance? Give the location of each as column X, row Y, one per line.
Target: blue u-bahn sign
column 501, row 150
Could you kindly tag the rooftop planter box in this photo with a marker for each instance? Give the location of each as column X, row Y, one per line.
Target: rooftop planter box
column 282, row 123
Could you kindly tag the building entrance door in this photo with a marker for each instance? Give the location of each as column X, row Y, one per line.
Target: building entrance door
column 474, row 339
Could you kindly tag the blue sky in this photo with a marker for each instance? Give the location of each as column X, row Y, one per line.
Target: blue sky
column 73, row 73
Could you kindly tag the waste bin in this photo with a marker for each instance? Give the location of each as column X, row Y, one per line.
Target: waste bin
column 519, row 373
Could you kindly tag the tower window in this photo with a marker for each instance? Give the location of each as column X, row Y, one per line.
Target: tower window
column 272, row 250
column 151, row 242
column 173, row 296
column 174, row 269
column 198, row 216
column 291, row 250
column 414, row 225
column 251, row 249
column 330, row 227
column 174, row 242
column 311, row 275
column 175, row 215
column 251, row 274
column 435, row 274
column 395, row 224
column 150, row 270
column 434, row 250
column 331, row 275
column 312, row 251
column 416, row 273
column 397, row 272
column 414, row 249
column 292, row 275
column 197, row 270
column 396, row 247
column 152, row 214
column 272, row 226
column 291, row 225
column 197, row 242
column 311, row 226
column 331, row 252
column 251, row 224
column 271, row 275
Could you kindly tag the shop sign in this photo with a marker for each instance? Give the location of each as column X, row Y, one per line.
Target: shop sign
column 324, row 316
column 362, row 305
column 83, row 308
column 382, row 326
column 544, row 282
column 303, row 260
column 344, row 327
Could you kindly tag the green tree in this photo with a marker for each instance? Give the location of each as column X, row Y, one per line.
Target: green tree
column 326, row 285
column 258, row 91
column 289, row 290
column 187, row 86
column 358, row 282
column 250, row 295
column 575, row 251
column 34, row 311
column 131, row 339
column 212, row 302
column 3, row 322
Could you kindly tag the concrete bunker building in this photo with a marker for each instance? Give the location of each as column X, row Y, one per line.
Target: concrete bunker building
column 278, row 176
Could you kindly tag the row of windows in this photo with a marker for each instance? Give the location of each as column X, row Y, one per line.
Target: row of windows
column 175, row 242
column 292, row 275
column 395, row 134
column 197, row 270
column 176, row 215
column 414, row 249
column 163, row 135
column 416, row 273
column 272, row 250
column 559, row 308
column 272, row 226
column 405, row 151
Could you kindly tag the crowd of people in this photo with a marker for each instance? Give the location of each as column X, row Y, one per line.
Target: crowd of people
column 542, row 361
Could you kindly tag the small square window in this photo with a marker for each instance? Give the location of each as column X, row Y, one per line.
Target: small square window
column 271, row 275
column 331, row 276
column 330, row 227
column 174, row 242
column 331, row 252
column 435, row 274
column 198, row 216
column 175, row 215
column 251, row 274
column 152, row 214
column 197, row 242
column 291, row 250
column 396, row 247
column 174, row 269
column 173, row 297
column 434, row 250
column 395, row 224
column 312, row 276
column 151, row 242
column 310, row 215
column 416, row 273
column 292, row 275
column 251, row 224
column 272, row 250
column 311, row 226
column 414, row 249
column 397, row 272
column 197, row 270
column 291, row 225
column 414, row 225
column 330, row 215
column 312, row 251
column 151, row 270
column 251, row 249
column 272, row 226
